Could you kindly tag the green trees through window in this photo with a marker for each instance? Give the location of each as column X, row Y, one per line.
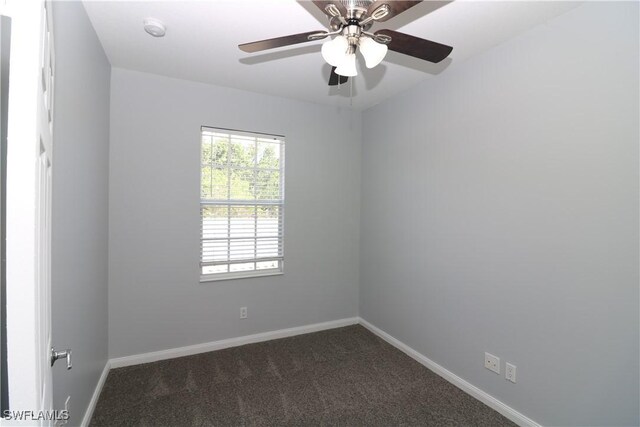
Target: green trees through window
column 240, row 169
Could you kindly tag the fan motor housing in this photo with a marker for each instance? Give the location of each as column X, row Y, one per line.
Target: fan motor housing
column 356, row 12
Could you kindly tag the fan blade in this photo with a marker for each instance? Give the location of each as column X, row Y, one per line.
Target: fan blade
column 416, row 47
column 396, row 7
column 335, row 79
column 322, row 5
column 277, row 42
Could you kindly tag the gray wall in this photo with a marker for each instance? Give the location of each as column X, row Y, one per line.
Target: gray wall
column 500, row 214
column 80, row 206
column 155, row 299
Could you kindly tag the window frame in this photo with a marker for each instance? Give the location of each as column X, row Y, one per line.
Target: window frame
column 229, row 202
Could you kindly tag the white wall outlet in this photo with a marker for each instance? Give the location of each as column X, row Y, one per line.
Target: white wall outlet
column 510, row 372
column 67, row 407
column 492, row 362
column 243, row 312
column 61, row 422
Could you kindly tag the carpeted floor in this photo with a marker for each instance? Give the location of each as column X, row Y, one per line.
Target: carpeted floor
column 345, row 376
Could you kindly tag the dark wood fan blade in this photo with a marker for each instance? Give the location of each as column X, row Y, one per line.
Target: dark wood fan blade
column 322, row 5
column 336, row 79
column 276, row 42
column 396, row 7
column 416, row 47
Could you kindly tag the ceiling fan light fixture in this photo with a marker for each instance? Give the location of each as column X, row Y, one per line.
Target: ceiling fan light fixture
column 334, row 51
column 350, row 21
column 372, row 51
column 347, row 67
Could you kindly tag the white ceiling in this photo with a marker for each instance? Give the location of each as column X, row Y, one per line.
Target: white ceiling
column 202, row 39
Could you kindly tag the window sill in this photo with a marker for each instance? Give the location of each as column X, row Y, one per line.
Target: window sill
column 239, row 275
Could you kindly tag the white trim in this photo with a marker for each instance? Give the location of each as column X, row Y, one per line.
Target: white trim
column 249, row 134
column 240, row 275
column 465, row 386
column 137, row 359
column 96, row 395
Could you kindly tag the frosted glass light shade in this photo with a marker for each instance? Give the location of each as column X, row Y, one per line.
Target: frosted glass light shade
column 347, row 67
column 372, row 51
column 334, row 51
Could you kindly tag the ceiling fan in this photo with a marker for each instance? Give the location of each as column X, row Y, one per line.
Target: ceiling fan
column 349, row 21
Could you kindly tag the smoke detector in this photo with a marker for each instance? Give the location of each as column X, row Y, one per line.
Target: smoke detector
column 154, row 27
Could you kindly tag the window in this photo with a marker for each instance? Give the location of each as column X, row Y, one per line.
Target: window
column 241, row 204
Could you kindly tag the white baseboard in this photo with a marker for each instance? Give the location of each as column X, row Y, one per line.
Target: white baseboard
column 465, row 386
column 96, row 394
column 137, row 359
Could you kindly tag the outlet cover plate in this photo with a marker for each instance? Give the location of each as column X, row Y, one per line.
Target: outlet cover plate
column 492, row 362
column 510, row 372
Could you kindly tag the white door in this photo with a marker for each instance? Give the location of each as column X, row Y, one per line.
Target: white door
column 43, row 209
column 28, row 219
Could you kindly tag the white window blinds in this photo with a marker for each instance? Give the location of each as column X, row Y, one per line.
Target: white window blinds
column 241, row 204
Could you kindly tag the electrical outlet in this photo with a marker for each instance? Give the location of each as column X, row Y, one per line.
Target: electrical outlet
column 64, row 422
column 67, row 407
column 243, row 312
column 510, row 372
column 492, row 362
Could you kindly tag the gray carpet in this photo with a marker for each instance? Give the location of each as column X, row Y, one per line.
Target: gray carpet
column 345, row 376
